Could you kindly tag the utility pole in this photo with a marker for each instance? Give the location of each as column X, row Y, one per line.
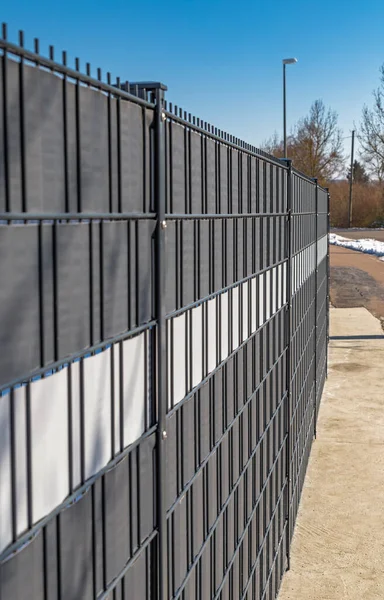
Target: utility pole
column 351, row 179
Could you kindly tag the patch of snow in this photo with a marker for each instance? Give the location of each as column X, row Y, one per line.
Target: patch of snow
column 367, row 246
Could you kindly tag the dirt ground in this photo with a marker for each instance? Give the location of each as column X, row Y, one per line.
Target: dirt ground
column 338, row 546
column 357, row 279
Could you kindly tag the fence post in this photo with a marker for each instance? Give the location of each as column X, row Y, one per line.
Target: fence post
column 328, row 278
column 161, row 362
column 316, row 294
column 288, row 335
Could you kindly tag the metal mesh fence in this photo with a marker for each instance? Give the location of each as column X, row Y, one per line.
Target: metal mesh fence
column 164, row 325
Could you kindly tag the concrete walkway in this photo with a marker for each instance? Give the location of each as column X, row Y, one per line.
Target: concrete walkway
column 338, row 546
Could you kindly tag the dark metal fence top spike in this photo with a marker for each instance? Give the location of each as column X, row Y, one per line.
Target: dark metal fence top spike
column 64, row 57
column 21, row 38
column 51, row 53
column 88, row 69
column 109, row 78
column 4, row 31
column 99, row 73
column 36, row 45
column 77, row 64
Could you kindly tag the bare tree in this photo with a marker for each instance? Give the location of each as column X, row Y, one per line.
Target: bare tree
column 371, row 133
column 315, row 145
column 274, row 145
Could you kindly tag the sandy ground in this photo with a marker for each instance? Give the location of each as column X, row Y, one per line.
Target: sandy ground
column 338, row 546
column 357, row 279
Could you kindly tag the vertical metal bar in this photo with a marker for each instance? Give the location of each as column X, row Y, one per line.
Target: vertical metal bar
column 121, row 395
column 28, row 438
column 284, row 110
column 110, row 138
column 7, row 190
column 65, row 133
column 119, row 166
column 101, row 275
column 78, row 138
column 82, row 422
column 41, row 293
column 316, row 295
column 59, row 558
column 328, row 277
column 70, row 436
column 288, row 320
column 161, row 342
column 91, row 267
column 22, row 129
column 13, row 463
column 55, row 292
column 351, row 180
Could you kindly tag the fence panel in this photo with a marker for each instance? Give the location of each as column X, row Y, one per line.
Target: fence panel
column 164, row 316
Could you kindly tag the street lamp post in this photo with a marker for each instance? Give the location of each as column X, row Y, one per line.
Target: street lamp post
column 286, row 61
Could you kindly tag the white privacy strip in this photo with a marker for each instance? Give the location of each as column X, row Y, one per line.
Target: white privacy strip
column 116, row 392
column 273, row 290
column 49, row 424
column 212, row 337
column 97, row 412
column 254, row 305
column 224, row 314
column 186, row 368
column 76, row 420
column 49, row 443
column 197, row 344
column 322, row 249
column 19, row 400
column 235, row 318
column 178, row 343
column 5, row 472
column 302, row 266
column 245, row 292
column 134, row 399
column 260, row 299
column 267, row 276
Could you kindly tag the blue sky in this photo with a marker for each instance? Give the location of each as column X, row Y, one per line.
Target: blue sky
column 222, row 60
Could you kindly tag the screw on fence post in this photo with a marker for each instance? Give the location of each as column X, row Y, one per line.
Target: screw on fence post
column 316, row 294
column 288, row 335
